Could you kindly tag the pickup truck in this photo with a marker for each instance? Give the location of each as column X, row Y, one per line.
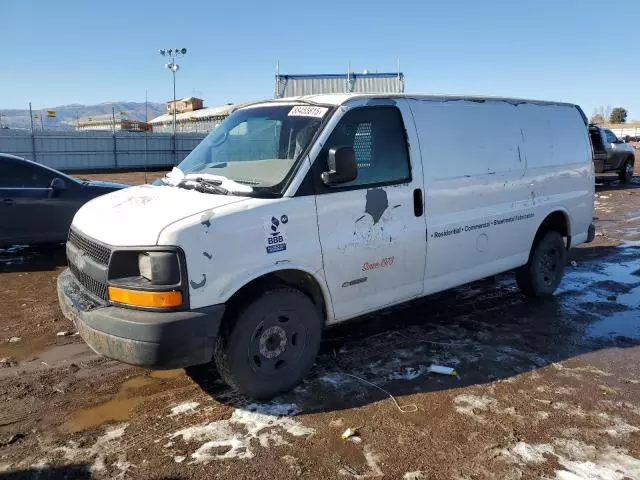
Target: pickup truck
column 610, row 154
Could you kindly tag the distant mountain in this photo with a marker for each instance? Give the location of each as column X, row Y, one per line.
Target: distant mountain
column 66, row 115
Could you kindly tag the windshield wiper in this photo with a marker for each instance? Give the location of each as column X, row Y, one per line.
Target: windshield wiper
column 204, row 186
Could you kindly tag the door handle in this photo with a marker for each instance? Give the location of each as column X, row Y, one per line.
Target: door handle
column 418, row 207
column 7, row 201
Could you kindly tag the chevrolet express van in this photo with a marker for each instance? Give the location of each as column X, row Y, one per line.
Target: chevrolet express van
column 296, row 214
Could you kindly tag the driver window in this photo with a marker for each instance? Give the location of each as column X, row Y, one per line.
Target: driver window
column 377, row 137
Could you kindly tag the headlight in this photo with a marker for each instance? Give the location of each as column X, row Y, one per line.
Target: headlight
column 147, row 279
column 144, row 266
column 160, row 268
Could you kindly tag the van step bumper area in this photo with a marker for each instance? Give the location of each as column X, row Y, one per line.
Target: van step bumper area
column 151, row 339
column 591, row 233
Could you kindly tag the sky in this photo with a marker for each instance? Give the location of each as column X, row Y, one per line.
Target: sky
column 77, row 51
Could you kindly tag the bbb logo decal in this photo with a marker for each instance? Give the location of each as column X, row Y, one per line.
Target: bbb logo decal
column 275, row 234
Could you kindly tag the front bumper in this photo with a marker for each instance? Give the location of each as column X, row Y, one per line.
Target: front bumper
column 151, row 339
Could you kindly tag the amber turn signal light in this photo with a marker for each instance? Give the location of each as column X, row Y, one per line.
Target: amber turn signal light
column 141, row 298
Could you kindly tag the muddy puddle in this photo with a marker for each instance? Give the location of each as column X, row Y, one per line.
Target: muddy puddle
column 132, row 393
column 608, row 291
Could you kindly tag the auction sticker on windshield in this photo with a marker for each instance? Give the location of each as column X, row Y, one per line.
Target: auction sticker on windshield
column 308, row 111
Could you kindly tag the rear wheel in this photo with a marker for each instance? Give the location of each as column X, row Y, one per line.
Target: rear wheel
column 626, row 172
column 271, row 344
column 543, row 272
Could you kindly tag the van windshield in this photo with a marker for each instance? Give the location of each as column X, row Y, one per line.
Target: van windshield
column 256, row 147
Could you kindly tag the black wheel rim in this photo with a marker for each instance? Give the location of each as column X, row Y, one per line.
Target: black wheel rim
column 628, row 171
column 549, row 265
column 277, row 343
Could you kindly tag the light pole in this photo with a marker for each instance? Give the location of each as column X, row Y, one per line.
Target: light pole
column 173, row 53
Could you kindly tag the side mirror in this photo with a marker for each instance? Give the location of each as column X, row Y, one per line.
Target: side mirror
column 342, row 166
column 57, row 185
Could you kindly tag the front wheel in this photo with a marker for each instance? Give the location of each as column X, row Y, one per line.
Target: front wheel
column 543, row 272
column 270, row 345
column 626, row 172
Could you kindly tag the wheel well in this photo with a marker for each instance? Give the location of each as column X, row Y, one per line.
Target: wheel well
column 293, row 278
column 555, row 222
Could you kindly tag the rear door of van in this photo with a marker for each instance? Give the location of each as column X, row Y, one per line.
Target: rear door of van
column 477, row 197
column 372, row 230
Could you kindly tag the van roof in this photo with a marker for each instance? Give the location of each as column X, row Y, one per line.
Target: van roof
column 342, row 98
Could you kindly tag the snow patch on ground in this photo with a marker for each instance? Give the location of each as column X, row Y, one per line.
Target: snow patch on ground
column 530, row 453
column 417, row 475
column 104, row 445
column 469, row 404
column 373, row 470
column 542, row 415
column 620, row 428
column 334, row 379
column 232, row 438
column 578, row 460
column 184, row 408
column 575, row 410
column 569, row 371
column 409, row 373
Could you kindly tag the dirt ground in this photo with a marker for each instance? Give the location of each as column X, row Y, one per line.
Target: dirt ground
column 544, row 389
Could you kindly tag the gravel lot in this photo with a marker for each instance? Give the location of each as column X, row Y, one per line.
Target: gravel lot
column 545, row 389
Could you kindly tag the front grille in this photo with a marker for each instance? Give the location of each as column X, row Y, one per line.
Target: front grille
column 96, row 288
column 93, row 250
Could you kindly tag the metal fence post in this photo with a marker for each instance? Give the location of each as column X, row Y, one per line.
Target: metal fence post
column 115, row 141
column 115, row 151
column 33, row 138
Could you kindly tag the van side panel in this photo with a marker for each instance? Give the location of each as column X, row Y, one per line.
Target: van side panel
column 477, row 197
column 559, row 168
column 494, row 169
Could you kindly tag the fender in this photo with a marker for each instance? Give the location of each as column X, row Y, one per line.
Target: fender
column 244, row 278
column 548, row 211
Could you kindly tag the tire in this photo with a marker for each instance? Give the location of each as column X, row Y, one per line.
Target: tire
column 270, row 345
column 626, row 172
column 541, row 275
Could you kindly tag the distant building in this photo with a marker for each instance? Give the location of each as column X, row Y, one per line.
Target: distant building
column 298, row 85
column 188, row 104
column 106, row 122
column 198, row 121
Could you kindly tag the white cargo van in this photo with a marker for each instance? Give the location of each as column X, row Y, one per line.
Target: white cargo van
column 299, row 213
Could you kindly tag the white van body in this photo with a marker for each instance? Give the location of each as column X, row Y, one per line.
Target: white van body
column 482, row 176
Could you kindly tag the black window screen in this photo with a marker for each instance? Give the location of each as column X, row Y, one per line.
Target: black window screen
column 21, row 175
column 377, row 137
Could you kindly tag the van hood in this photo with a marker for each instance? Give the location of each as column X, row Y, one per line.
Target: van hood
column 135, row 216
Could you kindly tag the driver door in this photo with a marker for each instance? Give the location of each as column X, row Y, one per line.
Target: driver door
column 372, row 229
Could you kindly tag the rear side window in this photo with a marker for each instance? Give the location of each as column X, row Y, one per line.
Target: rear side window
column 596, row 140
column 553, row 135
column 611, row 138
column 19, row 175
column 377, row 137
